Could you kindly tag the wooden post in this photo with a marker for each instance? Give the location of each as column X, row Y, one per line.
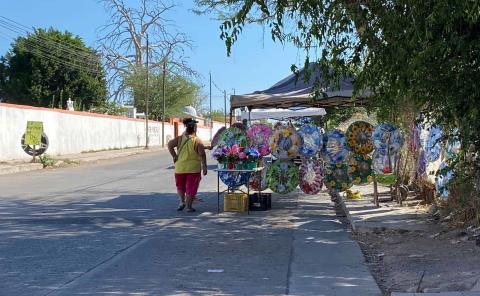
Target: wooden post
column 375, row 191
column 33, row 160
column 397, row 184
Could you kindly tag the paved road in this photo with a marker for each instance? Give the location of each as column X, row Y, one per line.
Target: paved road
column 112, row 229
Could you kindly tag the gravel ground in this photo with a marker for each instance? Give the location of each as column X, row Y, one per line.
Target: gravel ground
column 438, row 260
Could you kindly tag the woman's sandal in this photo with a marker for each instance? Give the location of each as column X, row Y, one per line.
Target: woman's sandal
column 181, row 207
column 191, row 210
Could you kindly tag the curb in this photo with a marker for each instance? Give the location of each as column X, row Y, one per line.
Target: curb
column 438, row 294
column 88, row 158
column 340, row 202
column 20, row 168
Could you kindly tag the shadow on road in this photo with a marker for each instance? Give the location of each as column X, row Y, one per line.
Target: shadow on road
column 139, row 243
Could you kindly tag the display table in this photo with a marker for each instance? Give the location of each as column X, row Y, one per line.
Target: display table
column 231, row 189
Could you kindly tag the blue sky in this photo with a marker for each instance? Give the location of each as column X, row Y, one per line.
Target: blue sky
column 256, row 62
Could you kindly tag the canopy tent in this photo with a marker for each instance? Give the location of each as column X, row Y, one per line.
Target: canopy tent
column 256, row 114
column 294, row 91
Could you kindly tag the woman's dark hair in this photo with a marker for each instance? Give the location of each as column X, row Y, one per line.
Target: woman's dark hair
column 190, row 125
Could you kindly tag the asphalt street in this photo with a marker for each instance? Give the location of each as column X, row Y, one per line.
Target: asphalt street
column 113, row 229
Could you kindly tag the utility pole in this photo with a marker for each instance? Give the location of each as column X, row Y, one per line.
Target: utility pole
column 225, row 103
column 163, row 101
column 146, row 100
column 231, row 110
column 211, row 117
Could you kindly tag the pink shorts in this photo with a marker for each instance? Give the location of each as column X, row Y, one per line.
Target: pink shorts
column 188, row 183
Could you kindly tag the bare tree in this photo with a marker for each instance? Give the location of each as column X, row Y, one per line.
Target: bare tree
column 123, row 41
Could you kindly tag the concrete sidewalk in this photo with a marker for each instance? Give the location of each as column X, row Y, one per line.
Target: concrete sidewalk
column 19, row 166
column 365, row 217
column 325, row 261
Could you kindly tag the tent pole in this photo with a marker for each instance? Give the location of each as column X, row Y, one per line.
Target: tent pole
column 231, row 116
column 249, row 115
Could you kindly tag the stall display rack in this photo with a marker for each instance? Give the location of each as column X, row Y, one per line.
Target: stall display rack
column 232, row 188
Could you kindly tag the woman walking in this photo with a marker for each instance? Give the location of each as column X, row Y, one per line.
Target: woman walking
column 190, row 161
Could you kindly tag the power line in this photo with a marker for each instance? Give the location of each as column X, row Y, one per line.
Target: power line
column 28, row 30
column 79, row 59
column 216, row 86
column 80, row 53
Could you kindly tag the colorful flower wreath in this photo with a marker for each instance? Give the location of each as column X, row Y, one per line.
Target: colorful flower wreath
column 285, row 142
column 442, row 181
column 453, row 147
column 255, row 178
column 422, row 164
column 359, row 137
column 414, row 138
column 259, row 136
column 387, row 135
column 311, row 176
column 337, row 177
column 382, row 164
column 234, row 179
column 311, row 140
column 335, row 147
column 283, row 176
column 360, row 169
column 433, row 146
column 233, row 136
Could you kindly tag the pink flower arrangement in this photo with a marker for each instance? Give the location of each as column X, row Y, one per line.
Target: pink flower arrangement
column 259, row 136
column 236, row 153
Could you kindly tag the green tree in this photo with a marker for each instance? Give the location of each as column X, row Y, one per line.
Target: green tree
column 47, row 67
column 217, row 115
column 179, row 92
column 423, row 54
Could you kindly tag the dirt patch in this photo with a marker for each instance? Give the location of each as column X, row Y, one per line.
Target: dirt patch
column 438, row 260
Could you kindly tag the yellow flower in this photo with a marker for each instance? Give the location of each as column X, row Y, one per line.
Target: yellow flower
column 273, row 146
column 369, row 178
column 339, row 165
column 357, row 181
column 286, row 133
column 365, row 157
column 332, row 183
column 362, row 126
column 355, row 128
column 344, row 185
column 351, row 169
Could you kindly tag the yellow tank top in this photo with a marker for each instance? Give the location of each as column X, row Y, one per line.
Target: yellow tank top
column 188, row 160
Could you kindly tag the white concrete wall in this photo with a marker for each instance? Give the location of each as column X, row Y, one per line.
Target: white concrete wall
column 75, row 132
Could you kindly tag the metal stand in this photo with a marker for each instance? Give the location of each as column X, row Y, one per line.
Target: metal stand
column 233, row 189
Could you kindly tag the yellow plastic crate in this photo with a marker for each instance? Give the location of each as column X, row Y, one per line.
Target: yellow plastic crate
column 235, row 202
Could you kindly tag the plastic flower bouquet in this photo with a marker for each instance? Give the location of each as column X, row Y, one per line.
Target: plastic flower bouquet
column 252, row 155
column 220, row 154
